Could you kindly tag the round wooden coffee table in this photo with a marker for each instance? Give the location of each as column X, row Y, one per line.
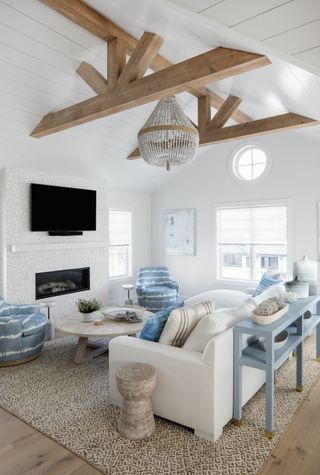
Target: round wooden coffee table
column 110, row 328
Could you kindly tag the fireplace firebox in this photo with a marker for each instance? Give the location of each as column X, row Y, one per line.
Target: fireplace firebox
column 61, row 282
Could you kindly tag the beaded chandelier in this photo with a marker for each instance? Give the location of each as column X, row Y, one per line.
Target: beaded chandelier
column 168, row 138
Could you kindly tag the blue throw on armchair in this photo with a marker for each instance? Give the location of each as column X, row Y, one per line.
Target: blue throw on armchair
column 156, row 289
column 22, row 333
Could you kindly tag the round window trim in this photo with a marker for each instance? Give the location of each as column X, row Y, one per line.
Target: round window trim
column 238, row 153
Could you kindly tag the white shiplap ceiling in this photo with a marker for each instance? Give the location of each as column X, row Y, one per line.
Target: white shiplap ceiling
column 290, row 26
column 40, row 51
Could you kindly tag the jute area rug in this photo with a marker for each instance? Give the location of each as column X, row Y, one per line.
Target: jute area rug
column 71, row 405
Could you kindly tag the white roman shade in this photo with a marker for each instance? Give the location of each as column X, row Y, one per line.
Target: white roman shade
column 119, row 227
column 258, row 225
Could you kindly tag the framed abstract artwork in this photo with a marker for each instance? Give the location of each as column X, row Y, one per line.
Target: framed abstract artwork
column 180, row 239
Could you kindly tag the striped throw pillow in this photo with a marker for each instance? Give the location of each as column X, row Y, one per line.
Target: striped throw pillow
column 182, row 321
column 266, row 281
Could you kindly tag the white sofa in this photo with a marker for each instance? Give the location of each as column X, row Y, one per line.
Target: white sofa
column 193, row 389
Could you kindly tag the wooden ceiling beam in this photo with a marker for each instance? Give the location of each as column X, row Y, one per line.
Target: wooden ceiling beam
column 204, row 113
column 256, row 128
column 134, row 155
column 253, row 128
column 214, row 65
column 217, row 102
column 116, row 60
column 93, row 78
column 141, row 58
column 99, row 25
column 93, row 21
column 224, row 113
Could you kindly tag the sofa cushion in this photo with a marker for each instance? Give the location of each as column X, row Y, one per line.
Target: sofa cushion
column 182, row 321
column 265, row 282
column 154, row 325
column 224, row 298
column 221, row 320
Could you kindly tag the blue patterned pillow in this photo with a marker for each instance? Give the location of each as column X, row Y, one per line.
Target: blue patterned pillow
column 154, row 325
column 265, row 282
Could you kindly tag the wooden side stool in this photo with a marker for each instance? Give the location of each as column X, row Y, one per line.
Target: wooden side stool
column 135, row 382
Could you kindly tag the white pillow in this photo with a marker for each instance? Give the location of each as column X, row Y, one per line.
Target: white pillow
column 182, row 321
column 221, row 320
column 277, row 290
column 223, row 298
column 207, row 328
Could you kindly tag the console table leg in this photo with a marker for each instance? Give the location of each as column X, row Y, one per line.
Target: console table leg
column 299, row 370
column 237, row 378
column 270, row 370
column 318, row 343
column 299, row 387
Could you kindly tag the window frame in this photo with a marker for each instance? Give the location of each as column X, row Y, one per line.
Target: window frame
column 124, row 276
column 256, row 203
column 233, row 156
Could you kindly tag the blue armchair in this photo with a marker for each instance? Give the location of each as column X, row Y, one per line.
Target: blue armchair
column 156, row 289
column 22, row 333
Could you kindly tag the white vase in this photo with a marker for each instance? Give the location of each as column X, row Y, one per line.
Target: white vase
column 88, row 317
column 307, row 271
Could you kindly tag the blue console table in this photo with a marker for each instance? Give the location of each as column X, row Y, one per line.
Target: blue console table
column 270, row 359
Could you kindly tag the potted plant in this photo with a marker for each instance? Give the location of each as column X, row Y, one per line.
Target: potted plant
column 88, row 307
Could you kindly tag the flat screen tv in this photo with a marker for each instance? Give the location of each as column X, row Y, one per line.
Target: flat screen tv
column 62, row 210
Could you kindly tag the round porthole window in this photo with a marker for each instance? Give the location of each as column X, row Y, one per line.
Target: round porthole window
column 249, row 162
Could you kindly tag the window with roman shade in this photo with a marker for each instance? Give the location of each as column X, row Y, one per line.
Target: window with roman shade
column 120, row 243
column 254, row 238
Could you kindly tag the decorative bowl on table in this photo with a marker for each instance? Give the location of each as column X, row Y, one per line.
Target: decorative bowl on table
column 269, row 311
column 124, row 314
column 279, row 341
column 306, row 316
column 300, row 288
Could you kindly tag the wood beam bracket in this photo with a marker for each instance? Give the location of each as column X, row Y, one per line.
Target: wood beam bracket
column 93, row 78
column 214, row 65
column 102, row 27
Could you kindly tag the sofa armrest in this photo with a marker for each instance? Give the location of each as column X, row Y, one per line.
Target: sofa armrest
column 184, row 386
column 170, row 362
column 217, row 346
column 123, row 344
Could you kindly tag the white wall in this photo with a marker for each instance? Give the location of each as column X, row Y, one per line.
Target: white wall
column 3, row 253
column 294, row 175
column 140, row 205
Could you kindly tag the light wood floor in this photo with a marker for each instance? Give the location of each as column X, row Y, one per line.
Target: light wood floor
column 25, row 451
column 298, row 450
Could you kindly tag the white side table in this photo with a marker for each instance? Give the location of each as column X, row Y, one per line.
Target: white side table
column 50, row 330
column 128, row 287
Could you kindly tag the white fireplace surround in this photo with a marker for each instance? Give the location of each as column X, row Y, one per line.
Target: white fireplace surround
column 25, row 253
column 57, row 246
